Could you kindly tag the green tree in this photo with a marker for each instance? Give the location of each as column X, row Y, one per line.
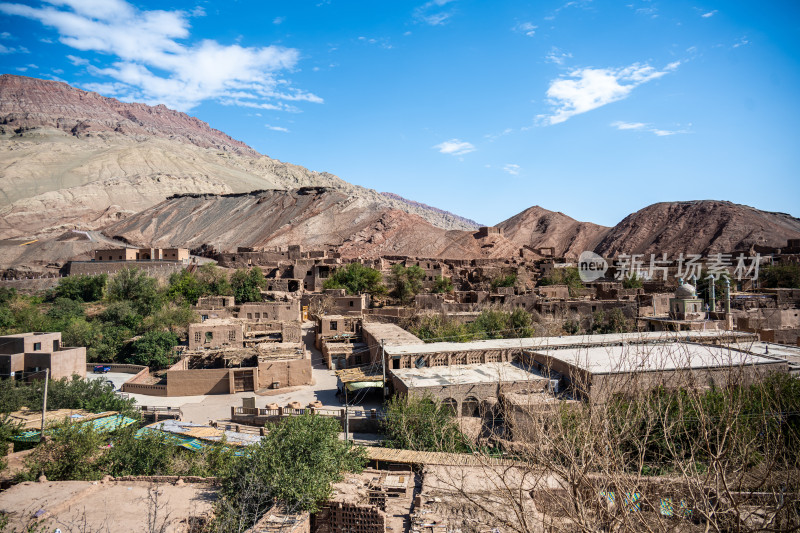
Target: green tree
column 407, row 281
column 72, row 452
column 65, row 310
column 215, row 280
column 135, row 286
column 356, row 278
column 785, row 276
column 420, row 423
column 154, row 349
column 295, row 464
column 568, row 276
column 632, row 282
column 247, row 285
column 185, row 286
column 122, row 314
column 175, row 318
column 82, row 288
column 442, row 285
column 508, row 280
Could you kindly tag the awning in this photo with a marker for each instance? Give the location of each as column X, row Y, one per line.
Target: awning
column 357, row 385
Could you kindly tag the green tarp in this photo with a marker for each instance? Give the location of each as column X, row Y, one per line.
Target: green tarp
column 106, row 424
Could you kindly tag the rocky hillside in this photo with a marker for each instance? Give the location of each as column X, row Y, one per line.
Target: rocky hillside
column 539, row 228
column 700, row 227
column 314, row 217
column 74, row 159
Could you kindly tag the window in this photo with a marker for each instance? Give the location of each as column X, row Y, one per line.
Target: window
column 37, row 346
column 120, row 257
column 203, row 318
column 352, row 303
column 231, row 336
column 198, row 337
column 249, row 315
column 209, row 336
column 258, row 315
column 334, row 325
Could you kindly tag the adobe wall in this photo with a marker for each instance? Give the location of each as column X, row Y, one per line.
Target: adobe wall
column 272, row 311
column 198, row 382
column 288, row 373
column 94, row 268
column 68, row 361
column 226, row 334
column 350, row 517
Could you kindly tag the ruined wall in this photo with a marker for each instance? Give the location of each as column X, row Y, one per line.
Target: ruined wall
column 290, row 373
column 271, row 311
column 338, row 517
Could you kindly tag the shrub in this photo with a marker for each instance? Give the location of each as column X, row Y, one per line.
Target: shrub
column 421, row 424
column 356, row 278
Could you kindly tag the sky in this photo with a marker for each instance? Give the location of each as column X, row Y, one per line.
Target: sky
column 595, row 109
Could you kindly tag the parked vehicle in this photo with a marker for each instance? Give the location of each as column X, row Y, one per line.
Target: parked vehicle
column 101, row 369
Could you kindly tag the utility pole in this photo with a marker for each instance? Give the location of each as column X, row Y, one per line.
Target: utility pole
column 383, row 368
column 346, row 415
column 44, row 401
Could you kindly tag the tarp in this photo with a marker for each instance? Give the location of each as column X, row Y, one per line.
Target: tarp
column 106, row 424
column 356, row 385
column 190, row 443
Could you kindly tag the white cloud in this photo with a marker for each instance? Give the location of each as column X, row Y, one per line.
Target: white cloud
column 12, row 50
column 276, row 128
column 589, row 88
column 5, row 35
column 709, row 14
column 199, row 11
column 431, row 13
column 742, row 42
column 278, row 20
column 512, row 169
column 155, row 63
column 526, row 28
column 641, row 126
column 455, row 147
column 557, row 56
column 77, row 61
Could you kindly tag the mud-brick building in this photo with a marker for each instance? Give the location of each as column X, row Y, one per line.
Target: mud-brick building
column 600, row 372
column 24, row 354
column 465, row 389
column 216, row 333
column 271, row 311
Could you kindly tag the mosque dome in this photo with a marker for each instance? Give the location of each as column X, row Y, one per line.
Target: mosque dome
column 685, row 292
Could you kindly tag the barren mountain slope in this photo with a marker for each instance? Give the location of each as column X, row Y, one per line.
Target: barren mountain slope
column 539, row 228
column 312, row 217
column 59, row 143
column 698, row 227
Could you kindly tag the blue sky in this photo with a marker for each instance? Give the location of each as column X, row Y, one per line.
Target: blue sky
column 592, row 108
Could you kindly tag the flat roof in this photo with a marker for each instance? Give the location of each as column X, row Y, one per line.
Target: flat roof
column 464, row 374
column 563, row 341
column 390, row 334
column 653, row 357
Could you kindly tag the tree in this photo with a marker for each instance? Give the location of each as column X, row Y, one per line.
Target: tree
column 442, row 285
column 356, row 278
column 185, row 286
column 64, row 310
column 154, row 349
column 407, row 281
column 508, row 280
column 214, row 279
column 247, row 285
column 422, row 424
column 133, row 285
column 82, row 288
column 568, row 276
column 781, row 276
column 632, row 282
column 295, row 464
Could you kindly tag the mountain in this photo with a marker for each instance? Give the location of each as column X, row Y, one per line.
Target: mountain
column 467, row 221
column 74, row 159
column 315, row 217
column 698, row 227
column 539, row 228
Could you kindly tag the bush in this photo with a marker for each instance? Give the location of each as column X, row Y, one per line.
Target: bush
column 295, row 464
column 780, row 276
column 356, row 278
column 407, row 282
column 72, row 452
column 442, row 285
column 247, row 285
column 154, row 349
column 421, row 424
column 134, row 286
column 568, row 276
column 508, row 280
column 81, row 288
column 77, row 393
